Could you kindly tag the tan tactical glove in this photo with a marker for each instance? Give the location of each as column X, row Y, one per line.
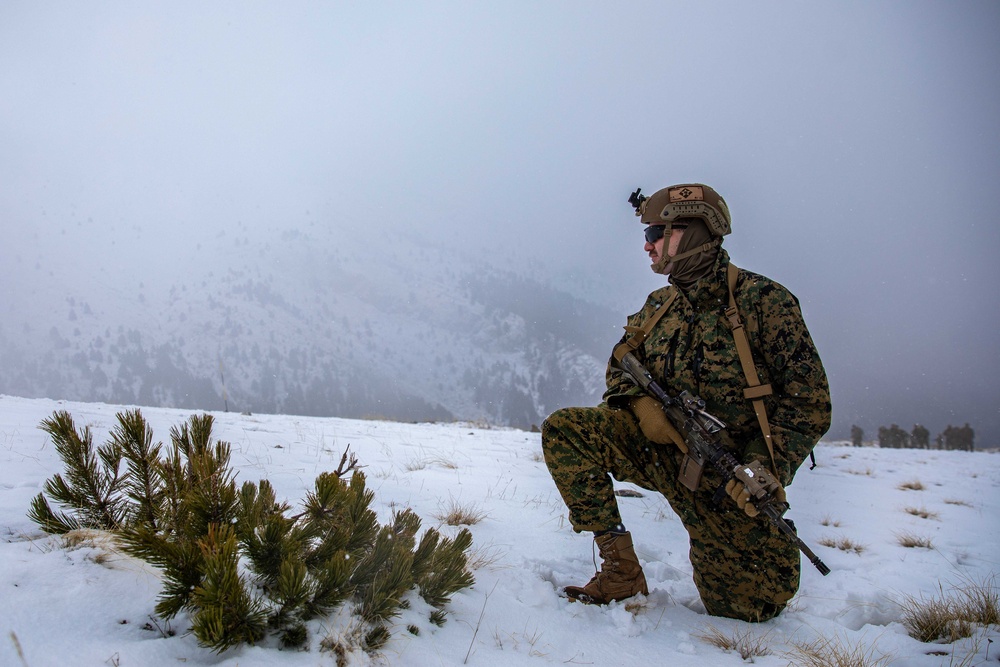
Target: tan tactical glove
column 654, row 423
column 760, row 478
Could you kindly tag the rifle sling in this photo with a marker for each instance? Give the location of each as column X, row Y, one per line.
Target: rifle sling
column 755, row 391
column 639, row 334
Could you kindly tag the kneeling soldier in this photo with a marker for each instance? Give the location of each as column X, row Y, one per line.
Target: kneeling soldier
column 776, row 410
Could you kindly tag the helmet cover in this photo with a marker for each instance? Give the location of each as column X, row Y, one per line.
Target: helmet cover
column 687, row 200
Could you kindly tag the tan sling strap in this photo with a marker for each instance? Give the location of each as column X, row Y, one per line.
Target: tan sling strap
column 755, row 391
column 639, row 334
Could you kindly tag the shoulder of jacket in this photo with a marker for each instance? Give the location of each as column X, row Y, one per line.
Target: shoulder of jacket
column 756, row 287
column 656, row 298
column 653, row 301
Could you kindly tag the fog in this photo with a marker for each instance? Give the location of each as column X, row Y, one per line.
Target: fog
column 857, row 144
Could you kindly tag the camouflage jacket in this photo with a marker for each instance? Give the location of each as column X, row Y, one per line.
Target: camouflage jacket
column 692, row 348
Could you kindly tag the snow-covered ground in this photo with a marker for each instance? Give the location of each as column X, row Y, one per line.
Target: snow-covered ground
column 86, row 604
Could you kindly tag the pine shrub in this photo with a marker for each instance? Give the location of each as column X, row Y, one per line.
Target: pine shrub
column 235, row 559
column 95, row 492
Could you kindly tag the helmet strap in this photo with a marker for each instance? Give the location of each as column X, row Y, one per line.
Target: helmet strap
column 660, row 266
column 705, row 247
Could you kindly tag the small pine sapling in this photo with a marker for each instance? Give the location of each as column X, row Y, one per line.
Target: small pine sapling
column 92, row 491
column 234, row 558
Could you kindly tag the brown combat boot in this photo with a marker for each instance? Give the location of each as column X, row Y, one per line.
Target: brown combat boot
column 620, row 576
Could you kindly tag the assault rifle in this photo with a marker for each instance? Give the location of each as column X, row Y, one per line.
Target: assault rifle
column 704, row 445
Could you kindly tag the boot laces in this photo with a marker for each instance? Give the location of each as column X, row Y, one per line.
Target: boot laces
column 607, row 559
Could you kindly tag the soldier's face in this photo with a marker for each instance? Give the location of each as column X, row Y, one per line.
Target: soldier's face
column 655, row 249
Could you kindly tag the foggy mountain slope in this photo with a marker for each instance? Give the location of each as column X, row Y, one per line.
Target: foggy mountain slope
column 307, row 321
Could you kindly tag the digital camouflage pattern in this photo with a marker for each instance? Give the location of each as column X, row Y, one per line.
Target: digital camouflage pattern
column 692, row 349
column 743, row 567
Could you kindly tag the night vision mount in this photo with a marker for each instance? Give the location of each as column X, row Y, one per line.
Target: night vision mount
column 636, row 200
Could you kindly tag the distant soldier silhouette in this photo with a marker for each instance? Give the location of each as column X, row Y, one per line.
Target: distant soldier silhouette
column 967, row 437
column 893, row 437
column 857, row 435
column 920, row 437
column 950, row 437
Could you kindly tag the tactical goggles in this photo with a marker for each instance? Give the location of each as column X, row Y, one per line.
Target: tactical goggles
column 655, row 232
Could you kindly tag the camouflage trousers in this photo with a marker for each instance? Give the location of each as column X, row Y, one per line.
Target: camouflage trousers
column 744, row 567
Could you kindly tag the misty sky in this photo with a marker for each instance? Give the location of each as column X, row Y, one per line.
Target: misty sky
column 857, row 144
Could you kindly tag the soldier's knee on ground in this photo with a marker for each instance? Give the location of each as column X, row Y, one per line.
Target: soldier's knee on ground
column 748, row 610
column 746, row 596
column 753, row 582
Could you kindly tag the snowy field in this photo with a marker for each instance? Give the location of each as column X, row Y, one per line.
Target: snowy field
column 86, row 604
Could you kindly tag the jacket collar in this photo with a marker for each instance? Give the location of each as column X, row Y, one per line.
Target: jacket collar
column 710, row 291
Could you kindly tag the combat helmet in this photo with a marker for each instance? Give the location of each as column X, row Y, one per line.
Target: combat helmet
column 687, row 200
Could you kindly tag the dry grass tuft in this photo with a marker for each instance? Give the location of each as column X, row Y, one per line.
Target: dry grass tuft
column 954, row 615
column 922, row 512
column 844, row 544
column 443, row 462
column 914, row 485
column 867, row 472
column 529, row 638
column 954, row 501
column 87, row 537
column 413, row 465
column 455, row 514
column 835, row 652
column 342, row 644
column 828, row 522
column 105, row 550
column 743, row 641
column 911, row 541
column 928, row 620
column 484, row 556
column 979, row 601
